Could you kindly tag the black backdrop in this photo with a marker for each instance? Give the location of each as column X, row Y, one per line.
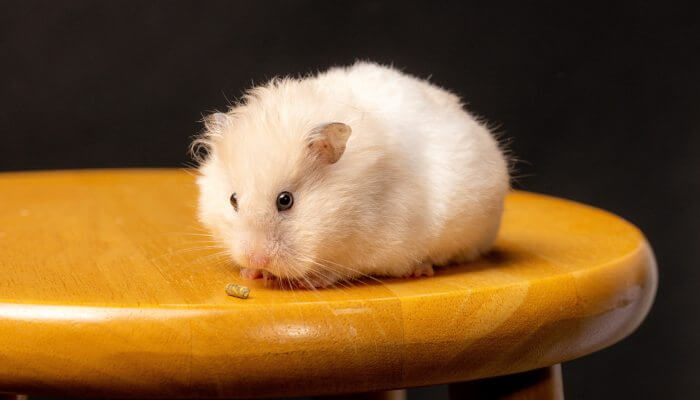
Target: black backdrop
column 601, row 103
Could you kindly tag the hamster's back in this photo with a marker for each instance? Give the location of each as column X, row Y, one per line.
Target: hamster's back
column 384, row 90
column 439, row 145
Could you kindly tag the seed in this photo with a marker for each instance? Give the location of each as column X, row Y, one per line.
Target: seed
column 234, row 290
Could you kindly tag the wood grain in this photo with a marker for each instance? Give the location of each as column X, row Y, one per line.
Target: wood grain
column 108, row 289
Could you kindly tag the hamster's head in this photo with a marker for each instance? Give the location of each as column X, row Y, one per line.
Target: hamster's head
column 271, row 194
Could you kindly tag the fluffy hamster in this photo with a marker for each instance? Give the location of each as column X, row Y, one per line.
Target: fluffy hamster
column 356, row 171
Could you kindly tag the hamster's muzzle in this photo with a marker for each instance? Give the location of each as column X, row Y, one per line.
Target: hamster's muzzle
column 257, row 258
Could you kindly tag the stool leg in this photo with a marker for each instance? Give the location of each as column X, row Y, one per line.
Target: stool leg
column 386, row 395
column 540, row 384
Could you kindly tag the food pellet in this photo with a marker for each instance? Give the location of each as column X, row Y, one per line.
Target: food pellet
column 239, row 291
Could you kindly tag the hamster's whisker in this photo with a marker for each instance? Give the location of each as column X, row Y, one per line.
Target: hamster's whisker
column 309, row 285
column 352, row 270
column 198, row 234
column 179, row 252
column 300, row 259
column 204, row 241
column 288, row 279
column 334, row 282
column 303, row 276
column 219, row 256
column 193, row 249
column 193, row 231
column 290, row 284
column 327, row 267
column 203, row 246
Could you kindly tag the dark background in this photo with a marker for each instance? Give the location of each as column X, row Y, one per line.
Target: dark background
column 601, row 103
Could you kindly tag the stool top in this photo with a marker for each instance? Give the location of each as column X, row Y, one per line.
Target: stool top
column 108, row 289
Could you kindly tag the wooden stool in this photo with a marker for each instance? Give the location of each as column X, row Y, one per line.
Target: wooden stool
column 108, row 289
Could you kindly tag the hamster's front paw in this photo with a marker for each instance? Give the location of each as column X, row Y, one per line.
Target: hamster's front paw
column 251, row 273
column 422, row 269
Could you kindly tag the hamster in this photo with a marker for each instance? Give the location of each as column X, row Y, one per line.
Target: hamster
column 357, row 171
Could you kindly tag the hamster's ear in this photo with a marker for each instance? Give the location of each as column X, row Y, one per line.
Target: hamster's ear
column 327, row 141
column 214, row 126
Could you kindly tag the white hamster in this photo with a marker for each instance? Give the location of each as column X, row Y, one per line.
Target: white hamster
column 356, row 171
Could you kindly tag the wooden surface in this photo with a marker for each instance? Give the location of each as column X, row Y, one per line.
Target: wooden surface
column 108, row 289
column 539, row 384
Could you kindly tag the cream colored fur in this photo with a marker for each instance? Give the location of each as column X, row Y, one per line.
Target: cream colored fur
column 420, row 181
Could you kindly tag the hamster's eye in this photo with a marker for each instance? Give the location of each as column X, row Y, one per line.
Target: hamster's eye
column 285, row 200
column 234, row 201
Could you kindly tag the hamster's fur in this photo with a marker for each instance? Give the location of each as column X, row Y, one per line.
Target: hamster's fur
column 418, row 182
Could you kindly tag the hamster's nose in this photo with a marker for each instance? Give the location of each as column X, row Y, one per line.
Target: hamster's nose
column 258, row 259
